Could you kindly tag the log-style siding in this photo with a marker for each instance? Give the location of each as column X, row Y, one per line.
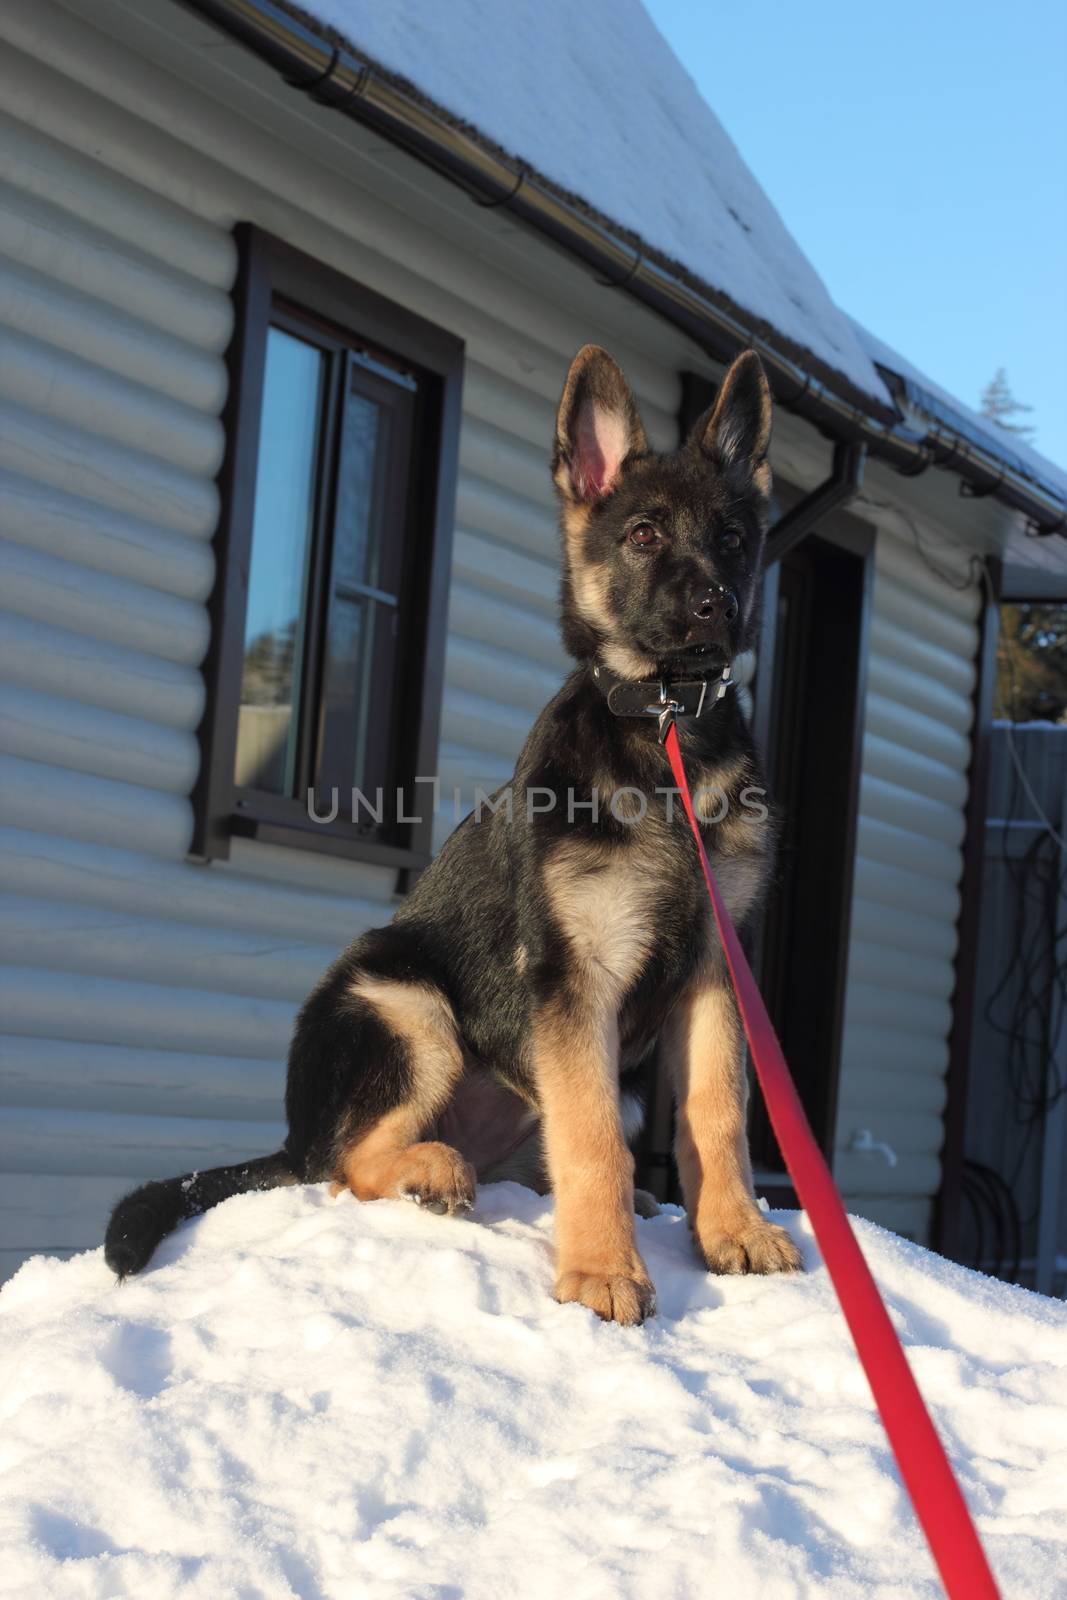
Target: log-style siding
column 909, row 864
column 147, row 1000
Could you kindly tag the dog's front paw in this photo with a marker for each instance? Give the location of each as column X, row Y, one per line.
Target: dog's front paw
column 756, row 1246
column 627, row 1297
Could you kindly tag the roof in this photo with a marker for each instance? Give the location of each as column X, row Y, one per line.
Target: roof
column 593, row 101
column 916, row 393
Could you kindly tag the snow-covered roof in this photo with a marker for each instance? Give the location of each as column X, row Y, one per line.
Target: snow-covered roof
column 592, row 99
column 916, row 392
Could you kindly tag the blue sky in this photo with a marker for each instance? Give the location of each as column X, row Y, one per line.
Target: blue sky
column 918, row 153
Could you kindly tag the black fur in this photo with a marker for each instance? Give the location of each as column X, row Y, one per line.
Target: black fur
column 483, row 900
column 141, row 1220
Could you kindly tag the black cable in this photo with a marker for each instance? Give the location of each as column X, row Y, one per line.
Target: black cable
column 968, row 1191
column 977, row 1176
column 1001, row 1198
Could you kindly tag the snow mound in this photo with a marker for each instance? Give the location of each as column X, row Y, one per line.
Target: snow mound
column 314, row 1398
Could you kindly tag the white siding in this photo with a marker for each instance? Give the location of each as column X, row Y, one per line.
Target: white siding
column 908, row 869
column 147, row 1000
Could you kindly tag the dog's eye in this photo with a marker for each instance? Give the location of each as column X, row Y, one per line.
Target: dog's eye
column 644, row 535
column 730, row 540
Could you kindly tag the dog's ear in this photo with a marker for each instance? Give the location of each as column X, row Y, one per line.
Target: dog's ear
column 597, row 427
column 737, row 428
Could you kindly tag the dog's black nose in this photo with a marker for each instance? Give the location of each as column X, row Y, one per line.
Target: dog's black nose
column 714, row 604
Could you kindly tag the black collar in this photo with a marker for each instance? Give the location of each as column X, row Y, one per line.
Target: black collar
column 651, row 697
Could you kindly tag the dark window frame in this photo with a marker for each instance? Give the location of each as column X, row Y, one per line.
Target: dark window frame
column 275, row 280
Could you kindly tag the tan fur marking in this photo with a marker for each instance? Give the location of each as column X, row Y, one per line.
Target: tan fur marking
column 590, row 588
column 626, row 662
column 385, row 1164
column 743, row 832
column 422, row 1017
column 527, row 1166
column 711, row 802
column 590, row 1167
column 710, row 785
column 742, row 840
column 388, row 1159
column 741, row 879
column 575, row 520
column 605, row 910
column 703, row 1048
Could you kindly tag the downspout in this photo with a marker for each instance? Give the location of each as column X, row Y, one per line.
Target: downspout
column 846, row 477
column 334, row 76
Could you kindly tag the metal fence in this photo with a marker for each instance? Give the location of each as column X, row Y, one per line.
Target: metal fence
column 1015, row 1183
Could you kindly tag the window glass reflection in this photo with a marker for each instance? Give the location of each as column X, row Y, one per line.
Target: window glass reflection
column 281, row 545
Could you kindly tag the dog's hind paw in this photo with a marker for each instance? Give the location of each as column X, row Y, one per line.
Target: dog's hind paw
column 437, row 1178
column 758, row 1247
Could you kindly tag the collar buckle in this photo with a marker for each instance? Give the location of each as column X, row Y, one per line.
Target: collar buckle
column 668, row 716
column 656, row 697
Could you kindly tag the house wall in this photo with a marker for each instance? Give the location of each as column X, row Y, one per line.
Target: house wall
column 147, row 999
column 909, row 866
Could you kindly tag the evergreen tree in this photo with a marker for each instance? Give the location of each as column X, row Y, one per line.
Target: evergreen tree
column 1000, row 406
column 267, row 679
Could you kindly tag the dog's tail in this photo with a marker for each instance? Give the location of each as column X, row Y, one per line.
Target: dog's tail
column 142, row 1219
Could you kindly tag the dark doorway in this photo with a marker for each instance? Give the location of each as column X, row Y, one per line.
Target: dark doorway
column 809, row 720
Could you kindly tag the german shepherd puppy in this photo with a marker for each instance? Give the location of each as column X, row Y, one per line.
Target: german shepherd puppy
column 492, row 1028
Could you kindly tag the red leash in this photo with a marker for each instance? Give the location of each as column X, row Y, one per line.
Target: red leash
column 924, row 1467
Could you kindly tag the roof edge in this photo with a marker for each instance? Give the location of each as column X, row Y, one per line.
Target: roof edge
column 320, row 63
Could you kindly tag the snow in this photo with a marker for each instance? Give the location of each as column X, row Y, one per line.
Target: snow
column 314, row 1398
column 592, row 98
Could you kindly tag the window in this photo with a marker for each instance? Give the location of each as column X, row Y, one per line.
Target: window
column 328, row 615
